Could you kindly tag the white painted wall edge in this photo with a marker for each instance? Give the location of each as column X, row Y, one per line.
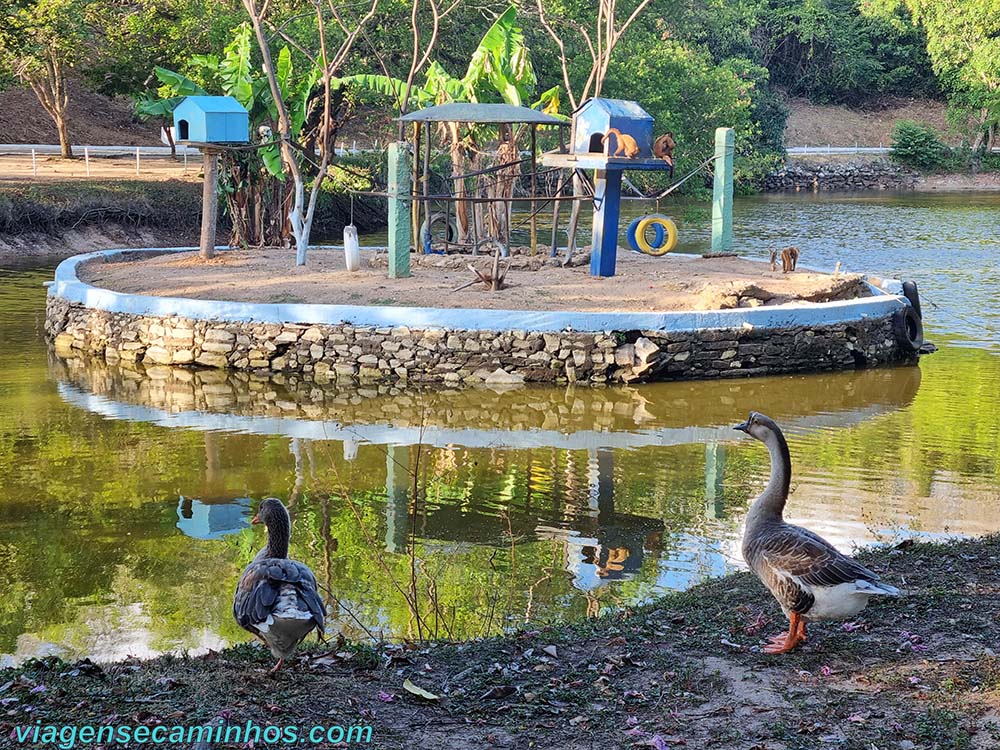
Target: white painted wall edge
column 68, row 286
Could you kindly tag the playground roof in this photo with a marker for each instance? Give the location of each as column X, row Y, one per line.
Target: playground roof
column 482, row 113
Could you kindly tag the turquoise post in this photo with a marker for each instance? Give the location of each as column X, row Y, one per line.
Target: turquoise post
column 398, row 483
column 715, row 470
column 722, row 191
column 399, row 210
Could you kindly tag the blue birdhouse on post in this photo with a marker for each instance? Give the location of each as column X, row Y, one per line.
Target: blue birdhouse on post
column 211, row 119
column 595, row 117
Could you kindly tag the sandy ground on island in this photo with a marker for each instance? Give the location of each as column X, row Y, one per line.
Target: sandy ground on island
column 642, row 283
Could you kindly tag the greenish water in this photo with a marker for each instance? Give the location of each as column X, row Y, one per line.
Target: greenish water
column 124, row 499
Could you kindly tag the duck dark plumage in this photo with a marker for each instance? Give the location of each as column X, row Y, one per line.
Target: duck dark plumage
column 276, row 598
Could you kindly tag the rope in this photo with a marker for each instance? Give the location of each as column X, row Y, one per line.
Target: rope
column 544, row 203
column 489, row 170
column 975, row 324
column 663, row 194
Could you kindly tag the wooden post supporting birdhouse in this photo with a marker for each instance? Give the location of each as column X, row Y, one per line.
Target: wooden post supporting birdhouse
column 212, row 123
column 209, row 202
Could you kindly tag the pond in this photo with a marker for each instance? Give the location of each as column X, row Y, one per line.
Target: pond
column 126, row 500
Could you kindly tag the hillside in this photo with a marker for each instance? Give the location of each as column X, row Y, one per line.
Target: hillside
column 98, row 120
column 94, row 120
column 836, row 125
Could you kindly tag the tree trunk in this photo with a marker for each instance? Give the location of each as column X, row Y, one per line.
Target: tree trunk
column 65, row 147
column 458, row 166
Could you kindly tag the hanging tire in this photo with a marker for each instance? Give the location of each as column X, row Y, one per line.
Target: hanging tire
column 438, row 218
column 630, row 234
column 908, row 329
column 669, row 231
column 910, row 292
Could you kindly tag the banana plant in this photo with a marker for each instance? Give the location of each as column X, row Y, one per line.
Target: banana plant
column 499, row 69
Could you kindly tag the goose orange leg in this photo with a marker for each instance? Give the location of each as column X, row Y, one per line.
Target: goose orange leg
column 782, row 644
column 277, row 666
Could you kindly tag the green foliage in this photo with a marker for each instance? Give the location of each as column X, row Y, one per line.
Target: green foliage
column 963, row 42
column 828, row 51
column 499, row 69
column 37, row 33
column 918, row 146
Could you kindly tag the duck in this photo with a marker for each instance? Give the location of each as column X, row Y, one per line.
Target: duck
column 810, row 579
column 276, row 598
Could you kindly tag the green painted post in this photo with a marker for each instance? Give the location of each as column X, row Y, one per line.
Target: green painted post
column 722, row 191
column 715, row 470
column 399, row 210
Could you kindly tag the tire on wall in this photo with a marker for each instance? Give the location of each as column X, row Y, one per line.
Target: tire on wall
column 908, row 329
column 910, row 292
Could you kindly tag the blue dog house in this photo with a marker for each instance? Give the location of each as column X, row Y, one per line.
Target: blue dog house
column 596, row 116
column 211, row 119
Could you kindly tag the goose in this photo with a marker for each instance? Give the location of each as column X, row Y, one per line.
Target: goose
column 807, row 575
column 276, row 598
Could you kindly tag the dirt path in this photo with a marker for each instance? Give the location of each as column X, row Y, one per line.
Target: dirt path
column 643, row 283
column 19, row 167
column 920, row 673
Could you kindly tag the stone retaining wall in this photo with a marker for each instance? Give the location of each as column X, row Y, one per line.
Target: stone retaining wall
column 872, row 175
column 469, row 356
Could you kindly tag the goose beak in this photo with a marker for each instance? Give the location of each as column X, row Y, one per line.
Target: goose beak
column 255, row 520
column 743, row 427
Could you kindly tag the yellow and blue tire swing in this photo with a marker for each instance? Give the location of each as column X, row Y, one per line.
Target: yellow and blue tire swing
column 664, row 234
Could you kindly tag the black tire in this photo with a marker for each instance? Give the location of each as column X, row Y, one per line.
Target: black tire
column 427, row 227
column 910, row 292
column 909, row 329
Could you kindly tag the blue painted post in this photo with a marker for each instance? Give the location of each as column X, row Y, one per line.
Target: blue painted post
column 399, row 210
column 722, row 191
column 607, row 205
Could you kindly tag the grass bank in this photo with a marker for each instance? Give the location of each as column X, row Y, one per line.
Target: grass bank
column 921, row 672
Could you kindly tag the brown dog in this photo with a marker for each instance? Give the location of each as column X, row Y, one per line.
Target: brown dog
column 789, row 257
column 663, row 148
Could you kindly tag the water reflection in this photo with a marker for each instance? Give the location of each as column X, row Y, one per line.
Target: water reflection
column 212, row 519
column 124, row 494
column 523, row 505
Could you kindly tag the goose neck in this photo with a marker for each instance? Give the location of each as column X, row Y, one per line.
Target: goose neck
column 771, row 502
column 278, row 532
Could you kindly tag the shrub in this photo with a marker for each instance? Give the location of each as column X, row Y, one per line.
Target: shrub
column 918, row 146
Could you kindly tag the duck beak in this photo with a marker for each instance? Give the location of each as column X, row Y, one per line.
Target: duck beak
column 743, row 427
column 255, row 520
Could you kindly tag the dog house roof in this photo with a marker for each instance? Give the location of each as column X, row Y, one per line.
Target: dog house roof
column 213, row 104
column 617, row 108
